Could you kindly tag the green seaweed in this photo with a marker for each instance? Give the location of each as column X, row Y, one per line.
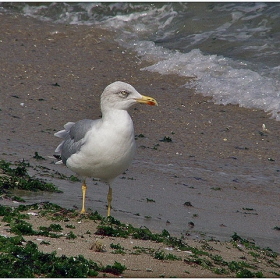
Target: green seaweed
column 71, row 235
column 205, row 263
column 247, row 244
column 116, row 246
column 108, row 230
column 38, row 157
column 118, row 249
column 73, row 178
column 114, row 228
column 18, row 178
column 160, row 255
column 139, row 250
column 10, row 214
column 70, row 226
column 115, row 269
column 22, row 227
column 52, row 227
column 23, row 259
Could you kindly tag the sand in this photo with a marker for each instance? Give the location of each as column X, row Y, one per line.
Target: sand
column 139, row 256
column 221, row 159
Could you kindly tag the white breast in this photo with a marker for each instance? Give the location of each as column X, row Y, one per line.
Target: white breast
column 108, row 150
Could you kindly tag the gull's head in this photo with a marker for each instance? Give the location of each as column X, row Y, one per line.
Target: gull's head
column 122, row 96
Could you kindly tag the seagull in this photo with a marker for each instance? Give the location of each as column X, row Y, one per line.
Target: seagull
column 103, row 148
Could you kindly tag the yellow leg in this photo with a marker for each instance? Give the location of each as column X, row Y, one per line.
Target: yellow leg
column 84, row 190
column 109, row 199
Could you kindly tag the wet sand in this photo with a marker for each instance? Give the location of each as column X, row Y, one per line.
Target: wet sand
column 221, row 159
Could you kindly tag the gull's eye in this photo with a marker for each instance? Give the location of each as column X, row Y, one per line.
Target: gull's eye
column 123, row 94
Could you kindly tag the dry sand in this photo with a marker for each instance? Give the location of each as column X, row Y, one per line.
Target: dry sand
column 220, row 158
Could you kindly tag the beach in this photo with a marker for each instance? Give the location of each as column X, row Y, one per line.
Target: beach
column 201, row 170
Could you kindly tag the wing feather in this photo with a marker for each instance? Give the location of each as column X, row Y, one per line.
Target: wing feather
column 73, row 135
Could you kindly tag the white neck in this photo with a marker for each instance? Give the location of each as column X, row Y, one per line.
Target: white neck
column 118, row 119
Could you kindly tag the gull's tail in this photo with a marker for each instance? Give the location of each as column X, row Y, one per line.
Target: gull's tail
column 63, row 134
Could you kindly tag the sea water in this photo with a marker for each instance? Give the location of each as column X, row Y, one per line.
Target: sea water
column 231, row 51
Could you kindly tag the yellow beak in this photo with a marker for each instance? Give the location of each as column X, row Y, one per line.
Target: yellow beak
column 147, row 100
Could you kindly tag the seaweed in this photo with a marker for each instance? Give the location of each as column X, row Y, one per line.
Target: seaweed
column 115, row 269
column 71, row 235
column 23, row 259
column 166, row 139
column 118, row 249
column 160, row 255
column 21, row 227
column 38, row 157
column 10, row 214
column 52, row 227
column 114, row 228
column 18, row 178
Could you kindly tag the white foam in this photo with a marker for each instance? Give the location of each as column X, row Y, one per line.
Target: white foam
column 225, row 80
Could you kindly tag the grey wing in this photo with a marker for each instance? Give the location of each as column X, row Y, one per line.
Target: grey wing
column 73, row 135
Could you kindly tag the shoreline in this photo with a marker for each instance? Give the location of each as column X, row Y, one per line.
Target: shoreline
column 220, row 158
column 104, row 246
